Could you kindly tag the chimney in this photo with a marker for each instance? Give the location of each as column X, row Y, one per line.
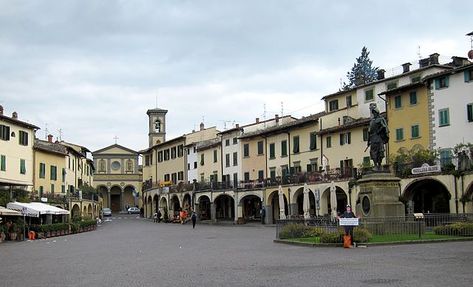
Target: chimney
column 50, row 138
column 14, row 115
column 257, row 120
column 434, row 59
column 237, row 126
column 423, row 62
column 1, row 110
column 459, row 61
column 276, row 118
column 202, row 126
column 405, row 67
column 380, row 74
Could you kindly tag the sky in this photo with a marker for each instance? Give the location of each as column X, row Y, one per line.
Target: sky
column 93, row 68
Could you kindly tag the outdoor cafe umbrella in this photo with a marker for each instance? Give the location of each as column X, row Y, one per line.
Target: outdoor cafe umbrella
column 306, row 203
column 8, row 212
column 333, row 199
column 282, row 212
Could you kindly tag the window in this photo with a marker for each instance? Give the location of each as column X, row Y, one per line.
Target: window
column 215, row 155
column 445, row 157
column 235, row 159
column 42, row 170
column 312, row 166
column 173, row 152
column 23, row 138
column 297, row 167
column 195, row 149
column 188, row 166
column 295, row 141
column 180, row 150
column 202, row 159
column 180, row 175
column 246, row 176
column 328, row 142
column 413, row 98
column 146, row 161
column 272, row 152
column 441, row 83
column 391, row 85
column 227, row 142
column 235, row 140
column 63, row 189
column 313, row 141
column 399, row 134
column 53, row 170
column 397, row 102
column 41, row 191
column 468, row 75
column 260, row 147
column 22, row 166
column 444, row 117
column 272, row 173
column 369, row 95
column 160, row 156
column 260, row 174
column 246, row 150
column 469, row 112
column 284, row 148
column 333, row 105
column 195, row 164
column 157, row 126
column 166, row 154
column 415, row 131
column 63, row 175
column 345, row 138
column 174, row 178
column 348, row 100
column 227, row 160
column 4, row 133
column 166, row 177
column 235, row 179
column 3, row 163
column 365, row 134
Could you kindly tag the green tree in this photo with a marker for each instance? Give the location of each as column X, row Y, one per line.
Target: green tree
column 362, row 72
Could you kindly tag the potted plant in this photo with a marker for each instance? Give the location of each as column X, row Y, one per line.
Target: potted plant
column 13, row 232
column 2, row 233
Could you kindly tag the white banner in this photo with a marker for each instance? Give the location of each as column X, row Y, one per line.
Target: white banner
column 349, row 221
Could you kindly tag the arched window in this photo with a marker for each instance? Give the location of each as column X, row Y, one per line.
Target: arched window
column 129, row 165
column 157, row 126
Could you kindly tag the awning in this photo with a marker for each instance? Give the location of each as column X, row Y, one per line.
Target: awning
column 8, row 212
column 35, row 209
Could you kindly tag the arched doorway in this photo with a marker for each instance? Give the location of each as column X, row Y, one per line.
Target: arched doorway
column 274, row 199
column 204, row 208
column 225, row 207
column 103, row 192
column 427, row 196
column 115, row 198
column 75, row 212
column 163, row 206
column 175, row 205
column 128, row 198
column 186, row 202
column 299, row 196
column 155, row 204
column 251, row 206
column 342, row 201
column 149, row 206
column 467, row 200
column 89, row 211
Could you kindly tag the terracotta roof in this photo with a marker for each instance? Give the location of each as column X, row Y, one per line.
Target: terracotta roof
column 163, row 144
column 252, row 124
column 353, row 124
column 46, row 146
column 276, row 129
column 208, row 144
column 18, row 122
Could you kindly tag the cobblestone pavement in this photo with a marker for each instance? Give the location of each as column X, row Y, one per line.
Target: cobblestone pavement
column 129, row 251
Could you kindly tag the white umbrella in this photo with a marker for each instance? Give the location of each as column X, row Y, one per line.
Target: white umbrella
column 306, row 203
column 282, row 212
column 333, row 199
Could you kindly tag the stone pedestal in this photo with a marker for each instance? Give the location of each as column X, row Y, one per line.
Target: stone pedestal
column 379, row 196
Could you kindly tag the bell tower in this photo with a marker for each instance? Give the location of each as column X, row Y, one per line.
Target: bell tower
column 157, row 126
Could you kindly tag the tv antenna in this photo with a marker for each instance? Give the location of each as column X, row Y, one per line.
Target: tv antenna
column 60, row 134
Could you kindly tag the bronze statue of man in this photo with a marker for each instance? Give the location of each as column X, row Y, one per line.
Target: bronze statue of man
column 377, row 136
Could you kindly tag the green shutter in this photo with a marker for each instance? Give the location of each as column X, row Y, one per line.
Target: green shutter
column 446, row 82
column 22, row 166
column 469, row 110
column 3, row 163
column 296, row 144
column 437, row 84
column 467, row 75
column 341, row 139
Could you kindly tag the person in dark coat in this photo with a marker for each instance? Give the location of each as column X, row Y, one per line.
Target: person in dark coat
column 348, row 214
column 194, row 218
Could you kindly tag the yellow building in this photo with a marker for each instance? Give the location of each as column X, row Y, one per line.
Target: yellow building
column 16, row 152
column 209, row 160
column 50, row 167
column 408, row 117
column 79, row 169
column 118, row 177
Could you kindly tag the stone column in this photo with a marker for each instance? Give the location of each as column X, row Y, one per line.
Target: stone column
column 109, row 200
column 213, row 212
column 238, row 211
column 122, row 195
column 269, row 214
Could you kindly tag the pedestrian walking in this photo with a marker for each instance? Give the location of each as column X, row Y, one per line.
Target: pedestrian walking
column 155, row 217
column 262, row 213
column 159, row 215
column 194, row 219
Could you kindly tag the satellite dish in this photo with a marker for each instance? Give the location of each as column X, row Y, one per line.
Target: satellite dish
column 470, row 54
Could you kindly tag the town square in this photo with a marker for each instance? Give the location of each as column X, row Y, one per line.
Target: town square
column 241, row 143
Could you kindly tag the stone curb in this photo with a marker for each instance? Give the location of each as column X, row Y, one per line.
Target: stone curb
column 306, row 244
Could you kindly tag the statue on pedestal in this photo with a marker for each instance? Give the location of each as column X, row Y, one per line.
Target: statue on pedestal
column 378, row 136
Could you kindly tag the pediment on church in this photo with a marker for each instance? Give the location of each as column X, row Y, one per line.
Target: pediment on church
column 115, row 149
